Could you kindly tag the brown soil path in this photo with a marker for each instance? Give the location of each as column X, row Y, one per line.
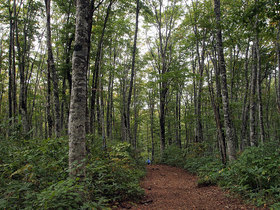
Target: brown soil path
column 169, row 188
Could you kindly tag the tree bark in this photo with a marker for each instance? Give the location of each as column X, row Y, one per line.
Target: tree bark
column 109, row 117
column 11, row 73
column 136, row 121
column 178, row 119
column 77, row 115
column 245, row 105
column 132, row 74
column 278, row 63
column 227, row 115
column 1, row 80
column 216, row 108
column 21, row 52
column 51, row 67
column 253, row 99
column 259, row 90
column 48, row 106
column 96, row 68
column 152, row 107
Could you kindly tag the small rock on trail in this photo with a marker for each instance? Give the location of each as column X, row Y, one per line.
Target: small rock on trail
column 169, row 188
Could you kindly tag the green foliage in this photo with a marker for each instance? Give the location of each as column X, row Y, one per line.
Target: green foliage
column 34, row 175
column 114, row 175
column 204, row 165
column 255, row 175
column 64, row 194
column 173, row 155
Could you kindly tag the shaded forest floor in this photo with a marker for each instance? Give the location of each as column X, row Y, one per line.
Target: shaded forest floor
column 169, row 187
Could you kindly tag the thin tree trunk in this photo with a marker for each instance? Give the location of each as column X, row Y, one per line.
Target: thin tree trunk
column 245, row 106
column 278, row 63
column 132, row 73
column 96, row 67
column 152, row 106
column 1, row 80
column 253, row 98
column 108, row 116
column 216, row 109
column 42, row 60
column 200, row 57
column 110, row 98
column 178, row 119
column 259, row 90
column 186, row 123
column 195, row 96
column 22, row 54
column 11, row 74
column 136, row 121
column 51, row 66
column 227, row 114
column 268, row 85
column 48, row 107
column 102, row 113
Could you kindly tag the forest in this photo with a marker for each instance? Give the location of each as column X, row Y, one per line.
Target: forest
column 90, row 89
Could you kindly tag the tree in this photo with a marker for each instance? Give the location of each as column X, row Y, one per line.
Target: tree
column 52, row 69
column 164, row 18
column 97, row 65
column 127, row 118
column 77, row 115
column 221, row 62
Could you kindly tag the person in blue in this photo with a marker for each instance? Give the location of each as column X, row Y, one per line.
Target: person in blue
column 148, row 161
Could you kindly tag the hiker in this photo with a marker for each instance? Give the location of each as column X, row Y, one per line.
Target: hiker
column 148, row 161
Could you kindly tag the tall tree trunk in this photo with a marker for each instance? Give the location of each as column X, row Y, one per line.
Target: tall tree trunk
column 268, row 101
column 38, row 76
column 77, row 115
column 253, row 96
column 178, row 119
column 200, row 58
column 163, row 92
column 22, row 94
column 51, row 66
column 48, row 107
column 259, row 90
column 132, row 73
column 102, row 113
column 278, row 63
column 109, row 117
column 123, row 88
column 1, row 80
column 96, row 67
column 11, row 73
column 186, row 123
column 136, row 121
column 152, row 106
column 216, row 109
column 245, row 106
column 195, row 96
column 227, row 114
column 63, row 105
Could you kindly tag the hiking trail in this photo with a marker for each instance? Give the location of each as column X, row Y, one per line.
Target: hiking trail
column 168, row 187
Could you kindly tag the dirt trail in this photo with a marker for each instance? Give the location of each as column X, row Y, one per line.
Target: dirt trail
column 169, row 188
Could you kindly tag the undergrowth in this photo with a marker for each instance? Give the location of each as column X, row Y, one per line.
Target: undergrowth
column 34, row 175
column 255, row 174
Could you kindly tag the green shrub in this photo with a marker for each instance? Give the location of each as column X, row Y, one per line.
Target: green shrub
column 65, row 194
column 255, row 175
column 34, row 175
column 173, row 155
column 115, row 176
